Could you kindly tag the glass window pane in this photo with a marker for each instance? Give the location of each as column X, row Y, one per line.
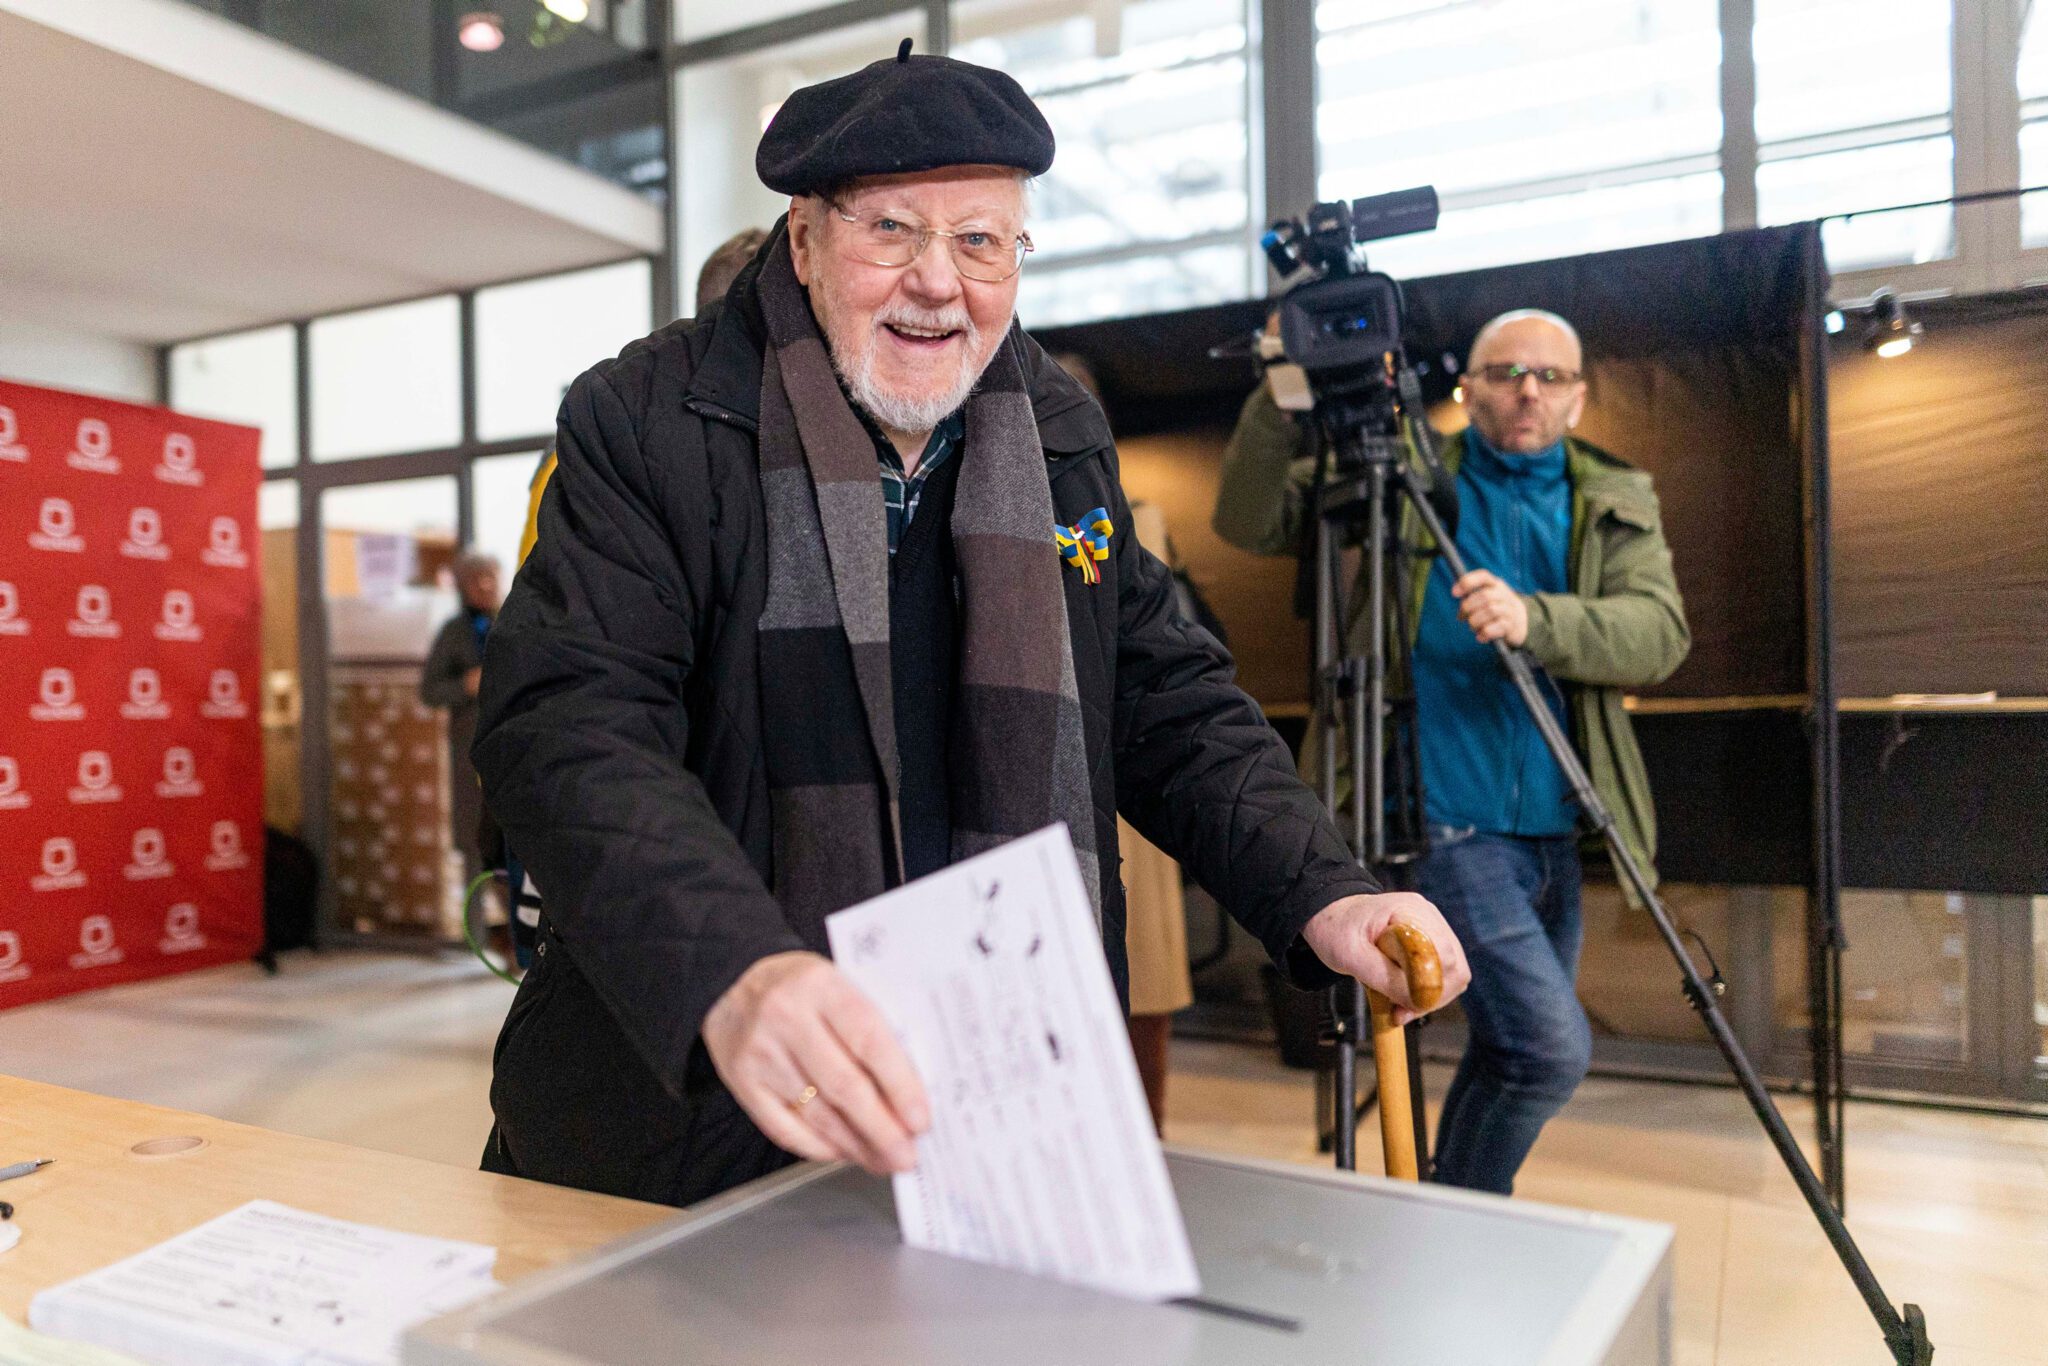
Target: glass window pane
column 534, row 337
column 2033, row 67
column 1557, row 225
column 722, row 108
column 498, row 488
column 1524, row 121
column 1147, row 101
column 2033, row 167
column 707, row 18
column 2040, row 1032
column 1415, row 94
column 1826, row 66
column 1905, row 976
column 277, row 522
column 395, row 789
column 1800, row 188
column 277, row 504
column 1123, row 289
column 251, row 377
column 387, row 379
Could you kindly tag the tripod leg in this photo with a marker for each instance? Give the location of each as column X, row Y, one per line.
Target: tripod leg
column 1418, row 1103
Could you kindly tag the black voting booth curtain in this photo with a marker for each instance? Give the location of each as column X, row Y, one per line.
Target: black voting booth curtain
column 1940, row 462
column 1695, row 373
column 1941, row 502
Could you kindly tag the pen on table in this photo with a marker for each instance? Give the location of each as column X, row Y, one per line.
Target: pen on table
column 24, row 1168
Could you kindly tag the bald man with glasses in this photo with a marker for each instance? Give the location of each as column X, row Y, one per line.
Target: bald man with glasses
column 1571, row 565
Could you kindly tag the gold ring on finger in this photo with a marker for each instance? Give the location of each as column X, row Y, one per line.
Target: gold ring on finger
column 810, row 1093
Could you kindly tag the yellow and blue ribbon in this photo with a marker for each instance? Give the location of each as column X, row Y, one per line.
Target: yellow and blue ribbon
column 1086, row 543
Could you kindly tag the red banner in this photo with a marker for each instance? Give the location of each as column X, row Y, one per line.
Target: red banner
column 131, row 750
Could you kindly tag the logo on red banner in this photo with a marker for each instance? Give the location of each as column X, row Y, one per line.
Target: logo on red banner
column 12, row 622
column 181, row 461
column 93, row 618
column 224, row 697
column 148, row 858
column 57, row 528
column 178, row 620
column 60, row 867
column 226, row 852
column 224, row 545
column 12, row 969
column 178, row 775
column 181, row 930
column 145, row 697
column 57, row 698
column 145, row 538
column 12, row 798
column 96, row 778
column 93, row 449
column 11, row 448
column 96, row 944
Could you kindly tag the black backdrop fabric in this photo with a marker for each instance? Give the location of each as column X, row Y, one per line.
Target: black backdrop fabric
column 1693, row 370
column 1694, row 373
column 1941, row 503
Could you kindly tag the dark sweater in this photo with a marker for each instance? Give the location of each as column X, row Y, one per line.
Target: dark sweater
column 923, row 649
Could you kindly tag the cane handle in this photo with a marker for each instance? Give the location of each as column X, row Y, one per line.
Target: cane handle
column 1412, row 949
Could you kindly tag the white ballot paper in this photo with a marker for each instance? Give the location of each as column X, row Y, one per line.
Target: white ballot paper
column 1041, row 1155
column 268, row 1285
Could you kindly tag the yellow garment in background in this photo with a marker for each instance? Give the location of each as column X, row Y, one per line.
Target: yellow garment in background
column 1156, row 933
column 533, row 493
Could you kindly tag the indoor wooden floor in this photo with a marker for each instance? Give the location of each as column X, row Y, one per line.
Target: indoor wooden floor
column 393, row 1052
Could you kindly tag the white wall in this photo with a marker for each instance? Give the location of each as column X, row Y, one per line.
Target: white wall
column 33, row 354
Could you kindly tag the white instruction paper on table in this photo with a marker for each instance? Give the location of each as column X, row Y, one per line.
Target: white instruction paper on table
column 1041, row 1155
column 268, row 1285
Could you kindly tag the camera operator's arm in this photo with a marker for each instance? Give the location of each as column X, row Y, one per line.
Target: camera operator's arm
column 1634, row 632
column 1267, row 467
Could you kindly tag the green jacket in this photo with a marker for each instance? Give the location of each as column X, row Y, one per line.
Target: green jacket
column 1622, row 626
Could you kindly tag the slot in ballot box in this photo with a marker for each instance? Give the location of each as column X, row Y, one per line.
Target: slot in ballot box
column 1299, row 1265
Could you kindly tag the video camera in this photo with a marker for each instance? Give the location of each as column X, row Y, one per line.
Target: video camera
column 1347, row 319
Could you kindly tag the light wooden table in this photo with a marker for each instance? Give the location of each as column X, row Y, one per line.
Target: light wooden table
column 101, row 1202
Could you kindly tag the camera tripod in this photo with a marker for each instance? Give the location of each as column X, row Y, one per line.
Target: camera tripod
column 1366, row 431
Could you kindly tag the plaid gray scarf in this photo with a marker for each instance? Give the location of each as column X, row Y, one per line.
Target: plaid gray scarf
column 1018, row 758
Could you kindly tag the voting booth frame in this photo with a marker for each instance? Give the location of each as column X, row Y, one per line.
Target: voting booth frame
column 1708, row 360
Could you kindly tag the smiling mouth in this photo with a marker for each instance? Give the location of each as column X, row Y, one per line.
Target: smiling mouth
column 922, row 338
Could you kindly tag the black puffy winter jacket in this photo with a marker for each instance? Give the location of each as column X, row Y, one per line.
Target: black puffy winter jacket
column 619, row 744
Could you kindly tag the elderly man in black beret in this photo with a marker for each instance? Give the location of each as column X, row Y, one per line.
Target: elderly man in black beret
column 834, row 585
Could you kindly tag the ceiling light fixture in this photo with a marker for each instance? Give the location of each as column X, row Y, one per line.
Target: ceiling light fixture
column 575, row 11
column 1890, row 331
column 481, row 31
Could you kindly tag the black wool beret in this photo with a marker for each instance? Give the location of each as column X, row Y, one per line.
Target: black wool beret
column 901, row 114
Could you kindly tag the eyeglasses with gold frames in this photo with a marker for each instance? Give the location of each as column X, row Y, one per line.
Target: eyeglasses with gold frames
column 888, row 239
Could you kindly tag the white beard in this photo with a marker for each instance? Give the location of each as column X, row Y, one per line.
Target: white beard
column 912, row 412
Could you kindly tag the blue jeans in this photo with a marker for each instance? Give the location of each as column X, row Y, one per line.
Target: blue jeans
column 1514, row 903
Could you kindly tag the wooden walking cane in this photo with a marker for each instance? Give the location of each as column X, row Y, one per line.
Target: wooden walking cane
column 1410, row 948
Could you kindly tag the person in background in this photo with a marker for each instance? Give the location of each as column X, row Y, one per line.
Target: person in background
column 450, row 680
column 724, row 265
column 1570, row 563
